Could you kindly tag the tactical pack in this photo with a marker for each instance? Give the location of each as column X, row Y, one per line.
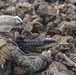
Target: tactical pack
column 2, row 60
column 5, row 66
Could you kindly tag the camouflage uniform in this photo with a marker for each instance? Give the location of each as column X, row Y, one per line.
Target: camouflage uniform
column 9, row 52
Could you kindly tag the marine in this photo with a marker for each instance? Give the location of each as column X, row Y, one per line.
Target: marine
column 10, row 53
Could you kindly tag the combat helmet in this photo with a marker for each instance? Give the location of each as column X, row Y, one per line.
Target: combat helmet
column 8, row 22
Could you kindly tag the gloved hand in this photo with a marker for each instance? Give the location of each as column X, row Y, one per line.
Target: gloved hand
column 46, row 55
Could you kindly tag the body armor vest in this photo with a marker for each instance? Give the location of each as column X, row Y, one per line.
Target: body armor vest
column 5, row 67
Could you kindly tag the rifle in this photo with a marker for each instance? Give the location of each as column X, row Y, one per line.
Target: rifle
column 34, row 46
column 31, row 46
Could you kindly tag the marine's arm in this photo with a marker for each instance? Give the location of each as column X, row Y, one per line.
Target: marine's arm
column 12, row 53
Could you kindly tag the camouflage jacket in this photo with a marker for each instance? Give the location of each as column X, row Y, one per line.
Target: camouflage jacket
column 9, row 51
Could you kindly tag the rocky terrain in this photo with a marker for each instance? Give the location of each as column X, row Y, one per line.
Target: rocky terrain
column 54, row 19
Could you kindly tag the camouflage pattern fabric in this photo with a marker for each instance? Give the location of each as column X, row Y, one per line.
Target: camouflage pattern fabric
column 12, row 53
column 8, row 22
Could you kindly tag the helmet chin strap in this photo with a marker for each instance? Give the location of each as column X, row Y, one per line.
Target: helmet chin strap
column 12, row 34
column 14, row 37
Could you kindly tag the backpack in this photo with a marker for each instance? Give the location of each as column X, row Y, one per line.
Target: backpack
column 5, row 66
